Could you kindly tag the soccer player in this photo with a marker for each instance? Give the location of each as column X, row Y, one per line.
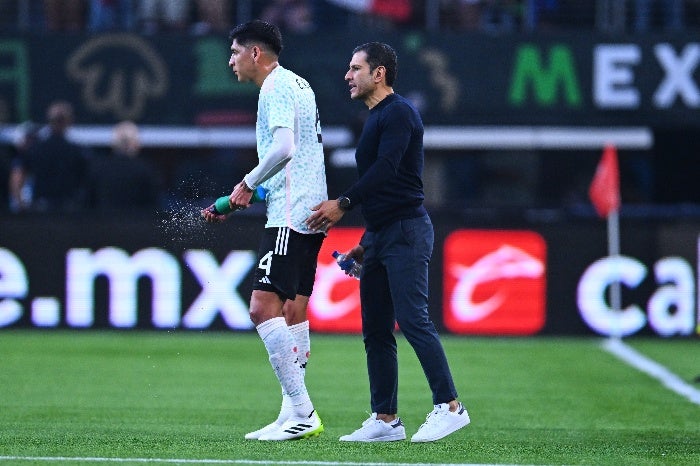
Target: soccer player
column 291, row 169
column 395, row 250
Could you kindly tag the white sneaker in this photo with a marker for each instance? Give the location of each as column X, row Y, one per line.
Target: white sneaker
column 376, row 430
column 296, row 428
column 441, row 422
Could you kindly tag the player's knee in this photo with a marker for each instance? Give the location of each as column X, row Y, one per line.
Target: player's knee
column 264, row 306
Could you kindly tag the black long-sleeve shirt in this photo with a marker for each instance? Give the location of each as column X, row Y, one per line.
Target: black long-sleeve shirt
column 390, row 161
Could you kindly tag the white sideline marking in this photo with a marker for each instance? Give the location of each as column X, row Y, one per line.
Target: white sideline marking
column 652, row 368
column 223, row 461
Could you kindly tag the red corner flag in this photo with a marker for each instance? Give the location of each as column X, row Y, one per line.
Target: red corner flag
column 605, row 187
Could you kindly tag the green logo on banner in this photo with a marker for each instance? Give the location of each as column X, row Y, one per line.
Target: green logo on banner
column 544, row 80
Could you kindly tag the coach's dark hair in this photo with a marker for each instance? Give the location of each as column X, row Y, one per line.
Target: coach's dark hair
column 379, row 54
column 261, row 32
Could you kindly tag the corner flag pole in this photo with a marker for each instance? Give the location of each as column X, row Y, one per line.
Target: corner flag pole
column 614, row 252
column 605, row 196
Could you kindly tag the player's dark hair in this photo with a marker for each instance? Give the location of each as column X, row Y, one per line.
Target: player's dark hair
column 260, row 32
column 379, row 54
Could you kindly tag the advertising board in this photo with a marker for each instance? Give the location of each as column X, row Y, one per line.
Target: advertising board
column 90, row 272
column 569, row 80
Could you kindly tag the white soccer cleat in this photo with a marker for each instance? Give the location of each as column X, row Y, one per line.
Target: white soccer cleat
column 265, row 430
column 441, row 422
column 296, row 428
column 376, row 430
column 284, row 414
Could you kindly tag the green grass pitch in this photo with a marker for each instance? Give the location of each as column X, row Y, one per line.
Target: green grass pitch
column 131, row 396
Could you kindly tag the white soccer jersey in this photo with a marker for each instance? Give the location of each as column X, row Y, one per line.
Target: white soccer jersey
column 287, row 101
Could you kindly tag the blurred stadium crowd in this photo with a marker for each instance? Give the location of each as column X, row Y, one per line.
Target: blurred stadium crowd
column 121, row 177
column 307, row 16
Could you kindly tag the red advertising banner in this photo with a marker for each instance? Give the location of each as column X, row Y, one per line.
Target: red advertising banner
column 494, row 282
column 335, row 302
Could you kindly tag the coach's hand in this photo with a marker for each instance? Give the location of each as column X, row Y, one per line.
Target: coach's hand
column 326, row 214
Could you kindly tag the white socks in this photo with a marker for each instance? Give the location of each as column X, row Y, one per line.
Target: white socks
column 300, row 332
column 283, row 353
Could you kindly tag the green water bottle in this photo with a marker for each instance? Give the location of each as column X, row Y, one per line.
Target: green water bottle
column 221, row 205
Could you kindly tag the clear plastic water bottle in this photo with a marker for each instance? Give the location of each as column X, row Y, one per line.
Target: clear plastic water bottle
column 349, row 265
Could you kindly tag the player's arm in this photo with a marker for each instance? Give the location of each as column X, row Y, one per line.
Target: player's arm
column 279, row 155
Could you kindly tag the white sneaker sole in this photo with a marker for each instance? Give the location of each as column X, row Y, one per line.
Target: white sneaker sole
column 464, row 421
column 385, row 438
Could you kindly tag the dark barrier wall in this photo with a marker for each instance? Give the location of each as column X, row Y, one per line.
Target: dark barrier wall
column 505, row 279
column 457, row 79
